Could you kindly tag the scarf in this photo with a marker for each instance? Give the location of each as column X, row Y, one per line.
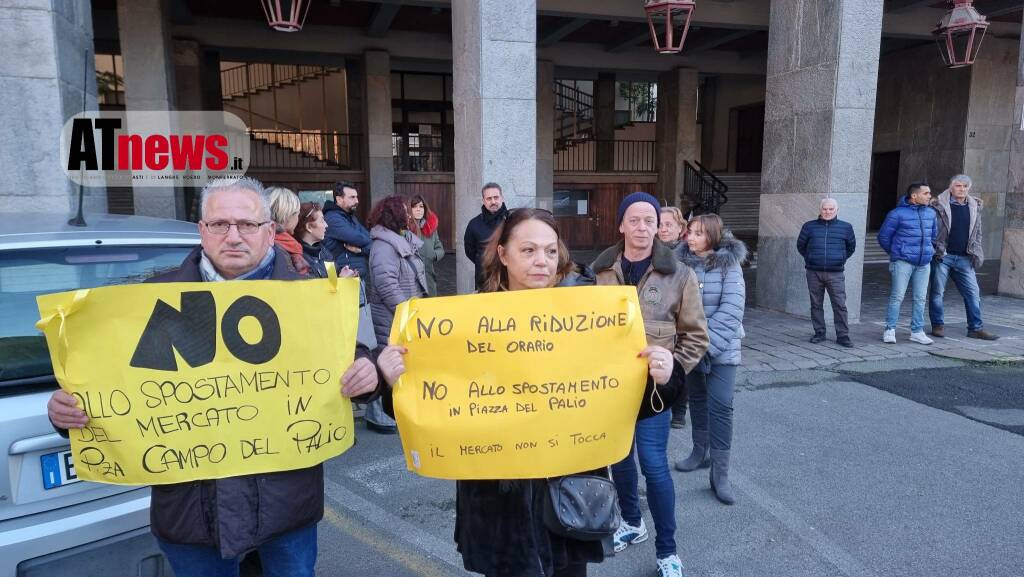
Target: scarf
column 294, row 249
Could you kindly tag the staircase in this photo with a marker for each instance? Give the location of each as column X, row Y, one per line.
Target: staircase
column 741, row 213
column 251, row 78
column 873, row 254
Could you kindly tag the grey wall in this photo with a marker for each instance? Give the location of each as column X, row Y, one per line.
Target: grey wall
column 730, row 91
column 990, row 123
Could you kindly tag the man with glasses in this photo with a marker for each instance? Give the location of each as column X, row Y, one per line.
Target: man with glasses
column 206, row 527
column 907, row 236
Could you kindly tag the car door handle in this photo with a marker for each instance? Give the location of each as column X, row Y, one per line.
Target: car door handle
column 40, row 443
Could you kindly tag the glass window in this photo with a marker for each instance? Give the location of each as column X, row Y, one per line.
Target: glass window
column 26, row 274
column 571, row 202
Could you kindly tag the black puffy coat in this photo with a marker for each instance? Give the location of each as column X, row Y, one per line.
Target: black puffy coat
column 826, row 244
column 478, row 232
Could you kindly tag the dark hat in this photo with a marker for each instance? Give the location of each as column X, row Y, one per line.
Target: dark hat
column 639, row 197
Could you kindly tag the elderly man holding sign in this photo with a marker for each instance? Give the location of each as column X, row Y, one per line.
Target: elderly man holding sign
column 674, row 318
column 206, row 524
column 546, row 389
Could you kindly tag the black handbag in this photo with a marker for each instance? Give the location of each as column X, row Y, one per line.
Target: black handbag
column 582, row 507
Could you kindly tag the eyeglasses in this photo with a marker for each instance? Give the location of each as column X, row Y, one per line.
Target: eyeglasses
column 244, row 227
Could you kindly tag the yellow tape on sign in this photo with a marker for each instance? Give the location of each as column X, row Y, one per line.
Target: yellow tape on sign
column 186, row 381
column 521, row 384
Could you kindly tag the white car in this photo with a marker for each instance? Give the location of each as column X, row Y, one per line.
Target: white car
column 51, row 523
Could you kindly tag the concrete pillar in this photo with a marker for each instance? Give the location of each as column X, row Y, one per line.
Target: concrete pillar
column 147, row 49
column 676, row 130
column 545, row 133
column 47, row 52
column 604, row 121
column 188, row 75
column 495, row 58
column 819, row 121
column 1011, row 268
column 380, row 165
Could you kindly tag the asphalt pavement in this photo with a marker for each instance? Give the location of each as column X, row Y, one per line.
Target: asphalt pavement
column 895, row 468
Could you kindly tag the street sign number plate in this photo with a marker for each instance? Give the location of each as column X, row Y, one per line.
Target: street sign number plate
column 58, row 470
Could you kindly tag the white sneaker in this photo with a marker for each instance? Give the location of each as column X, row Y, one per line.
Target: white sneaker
column 670, row 566
column 921, row 338
column 889, row 336
column 627, row 535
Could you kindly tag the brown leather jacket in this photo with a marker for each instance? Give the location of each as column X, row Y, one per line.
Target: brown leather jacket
column 671, row 306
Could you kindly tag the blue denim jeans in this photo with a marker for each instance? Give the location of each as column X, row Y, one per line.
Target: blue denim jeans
column 651, row 446
column 711, row 403
column 962, row 271
column 290, row 555
column 903, row 274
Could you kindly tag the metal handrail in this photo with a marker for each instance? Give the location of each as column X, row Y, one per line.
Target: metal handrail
column 701, row 185
column 590, row 155
column 251, row 77
column 308, row 148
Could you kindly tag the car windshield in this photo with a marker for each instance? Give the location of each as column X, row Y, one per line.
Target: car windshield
column 25, row 274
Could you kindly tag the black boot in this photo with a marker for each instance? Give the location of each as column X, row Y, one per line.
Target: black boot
column 719, row 477
column 698, row 458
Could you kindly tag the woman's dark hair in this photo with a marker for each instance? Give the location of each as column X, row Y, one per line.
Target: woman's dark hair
column 392, row 213
column 414, row 224
column 307, row 214
column 712, row 226
column 495, row 273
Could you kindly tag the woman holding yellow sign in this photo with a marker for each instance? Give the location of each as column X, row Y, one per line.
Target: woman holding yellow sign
column 499, row 524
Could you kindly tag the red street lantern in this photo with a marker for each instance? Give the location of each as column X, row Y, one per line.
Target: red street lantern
column 286, row 15
column 959, row 34
column 669, row 21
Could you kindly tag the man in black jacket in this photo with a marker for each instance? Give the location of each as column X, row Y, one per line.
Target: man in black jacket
column 480, row 228
column 826, row 243
column 205, row 527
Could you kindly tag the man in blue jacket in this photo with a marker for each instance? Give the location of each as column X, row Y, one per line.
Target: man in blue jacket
column 347, row 238
column 908, row 236
column 826, row 243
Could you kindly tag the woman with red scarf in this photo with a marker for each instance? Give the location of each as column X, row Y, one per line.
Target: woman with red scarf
column 284, row 211
column 424, row 224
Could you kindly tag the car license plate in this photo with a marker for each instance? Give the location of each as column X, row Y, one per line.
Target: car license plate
column 58, row 470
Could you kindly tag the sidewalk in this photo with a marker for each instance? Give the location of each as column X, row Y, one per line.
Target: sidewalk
column 779, row 342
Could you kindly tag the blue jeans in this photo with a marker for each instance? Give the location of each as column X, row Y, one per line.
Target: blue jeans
column 711, row 403
column 290, row 555
column 962, row 271
column 651, row 445
column 903, row 274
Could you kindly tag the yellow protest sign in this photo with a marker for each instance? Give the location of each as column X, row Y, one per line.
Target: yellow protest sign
column 186, row 381
column 519, row 384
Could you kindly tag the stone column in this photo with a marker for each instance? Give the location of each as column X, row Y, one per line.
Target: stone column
column 147, row 49
column 380, row 165
column 676, row 130
column 188, row 75
column 1011, row 268
column 604, row 121
column 495, row 58
column 47, row 52
column 545, row 133
column 819, row 121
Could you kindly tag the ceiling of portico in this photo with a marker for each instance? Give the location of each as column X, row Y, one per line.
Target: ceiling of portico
column 727, row 36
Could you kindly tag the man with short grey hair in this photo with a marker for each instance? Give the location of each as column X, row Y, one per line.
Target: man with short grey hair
column 205, row 527
column 958, row 253
column 826, row 243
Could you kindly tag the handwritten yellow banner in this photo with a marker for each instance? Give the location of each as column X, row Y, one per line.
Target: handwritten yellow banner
column 520, row 384
column 186, row 381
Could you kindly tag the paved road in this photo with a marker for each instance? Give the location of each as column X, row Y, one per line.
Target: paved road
column 836, row 476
